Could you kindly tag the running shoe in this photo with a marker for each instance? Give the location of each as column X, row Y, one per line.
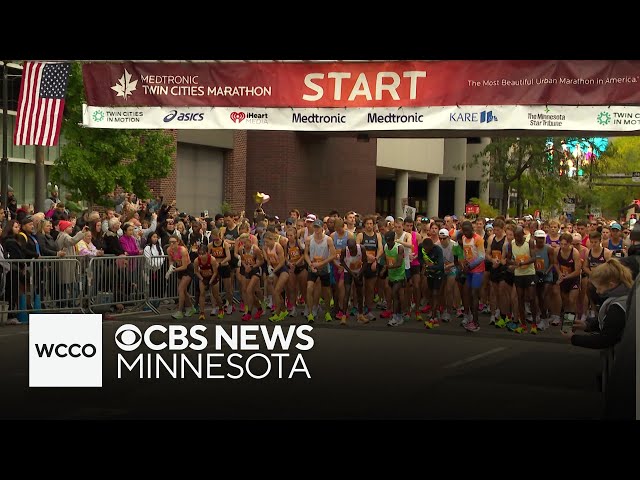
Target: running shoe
column 201, row 316
column 376, row 299
column 534, row 329
column 284, row 314
column 418, row 316
column 190, row 311
column 371, row 317
column 511, row 326
column 328, row 317
column 311, row 318
column 556, row 321
column 501, row 323
column 460, row 312
column 293, row 312
column 486, row 309
column 472, row 326
column 274, row 318
column 258, row 314
column 521, row 328
column 465, row 320
column 435, row 322
column 229, row 309
column 362, row 319
column 214, row 311
column 446, row 317
column 400, row 320
column 221, row 314
column 340, row 315
column 343, row 320
column 246, row 317
column 353, row 311
column 178, row 315
column 386, row 314
column 542, row 325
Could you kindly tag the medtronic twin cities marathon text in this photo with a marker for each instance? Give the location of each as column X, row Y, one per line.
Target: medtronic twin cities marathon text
column 181, row 352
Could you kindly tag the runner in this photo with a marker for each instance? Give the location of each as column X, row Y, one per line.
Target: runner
column 461, row 277
column 251, row 262
column 545, row 258
column 597, row 256
column 581, row 228
column 351, row 260
column 508, row 300
column 180, row 264
column 412, row 263
column 569, row 267
column 582, row 302
column 448, row 289
column 616, row 242
column 297, row 271
column 278, row 274
column 206, row 271
column 319, row 251
column 221, row 251
column 350, row 222
column 524, row 279
column 372, row 243
column 431, row 260
column 394, row 263
column 473, row 267
column 340, row 237
column 404, row 239
column 495, row 244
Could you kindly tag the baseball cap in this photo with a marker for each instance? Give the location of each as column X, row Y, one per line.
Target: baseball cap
column 616, row 226
column 527, row 217
column 310, row 218
column 389, row 219
column 317, row 223
column 489, row 226
column 28, row 219
column 291, row 221
column 542, row 234
column 443, row 232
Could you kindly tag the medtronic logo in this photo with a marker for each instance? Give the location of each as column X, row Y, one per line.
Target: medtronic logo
column 65, row 350
column 183, row 117
column 394, row 118
column 485, row 116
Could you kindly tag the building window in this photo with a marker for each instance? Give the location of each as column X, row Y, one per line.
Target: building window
column 474, row 140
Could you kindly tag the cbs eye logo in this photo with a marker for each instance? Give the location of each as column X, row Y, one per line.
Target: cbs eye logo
column 128, row 337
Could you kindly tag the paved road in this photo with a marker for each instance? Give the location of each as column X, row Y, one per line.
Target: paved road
column 358, row 371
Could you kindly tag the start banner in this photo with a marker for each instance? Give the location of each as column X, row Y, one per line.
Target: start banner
column 362, row 84
column 498, row 117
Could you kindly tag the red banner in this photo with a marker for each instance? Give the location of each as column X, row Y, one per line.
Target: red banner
column 364, row 84
column 471, row 209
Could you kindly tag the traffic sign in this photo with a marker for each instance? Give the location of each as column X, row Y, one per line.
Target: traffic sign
column 635, row 176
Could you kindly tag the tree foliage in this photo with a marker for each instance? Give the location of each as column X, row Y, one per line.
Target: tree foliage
column 94, row 162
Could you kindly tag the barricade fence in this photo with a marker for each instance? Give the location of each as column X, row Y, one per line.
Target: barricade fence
column 95, row 284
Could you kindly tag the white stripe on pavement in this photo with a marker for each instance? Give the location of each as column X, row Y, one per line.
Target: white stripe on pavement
column 475, row 357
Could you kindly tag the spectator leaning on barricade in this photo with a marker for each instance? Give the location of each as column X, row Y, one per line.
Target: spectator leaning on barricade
column 66, row 242
column 97, row 234
column 12, row 251
column 27, row 238
column 112, row 244
column 48, row 246
column 128, row 242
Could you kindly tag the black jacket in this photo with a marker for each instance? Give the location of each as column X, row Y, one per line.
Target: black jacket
column 112, row 244
column 48, row 247
column 28, row 245
column 612, row 328
column 12, row 248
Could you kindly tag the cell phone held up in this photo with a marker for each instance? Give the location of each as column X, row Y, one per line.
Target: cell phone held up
column 567, row 322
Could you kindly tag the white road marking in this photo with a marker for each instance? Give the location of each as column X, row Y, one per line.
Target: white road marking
column 475, row 357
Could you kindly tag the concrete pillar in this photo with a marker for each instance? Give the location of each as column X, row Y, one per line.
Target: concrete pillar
column 484, row 191
column 402, row 190
column 433, row 195
column 455, row 153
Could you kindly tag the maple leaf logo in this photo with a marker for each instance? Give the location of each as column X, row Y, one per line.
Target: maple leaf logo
column 125, row 86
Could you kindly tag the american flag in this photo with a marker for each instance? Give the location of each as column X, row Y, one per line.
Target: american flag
column 41, row 103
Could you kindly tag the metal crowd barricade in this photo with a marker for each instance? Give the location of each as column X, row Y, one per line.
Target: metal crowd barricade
column 160, row 289
column 116, row 281
column 46, row 284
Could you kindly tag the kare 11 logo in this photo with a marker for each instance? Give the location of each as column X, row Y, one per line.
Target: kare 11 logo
column 65, row 350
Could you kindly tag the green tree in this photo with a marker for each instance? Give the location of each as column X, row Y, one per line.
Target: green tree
column 506, row 159
column 94, row 162
column 623, row 156
column 486, row 210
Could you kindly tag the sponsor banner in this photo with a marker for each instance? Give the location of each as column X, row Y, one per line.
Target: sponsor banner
column 363, row 84
column 489, row 118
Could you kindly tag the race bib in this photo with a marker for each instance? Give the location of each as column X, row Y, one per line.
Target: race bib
column 522, row 258
column 217, row 252
column 248, row 260
column 496, row 254
column 355, row 265
column 468, row 253
column 390, row 261
column 371, row 256
column 294, row 254
column 540, row 264
column 565, row 270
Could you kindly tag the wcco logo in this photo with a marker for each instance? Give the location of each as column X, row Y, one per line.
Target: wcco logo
column 65, row 350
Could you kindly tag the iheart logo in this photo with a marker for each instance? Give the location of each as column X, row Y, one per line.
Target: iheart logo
column 237, row 117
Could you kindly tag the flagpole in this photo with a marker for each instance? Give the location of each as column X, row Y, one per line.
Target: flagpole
column 4, row 171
